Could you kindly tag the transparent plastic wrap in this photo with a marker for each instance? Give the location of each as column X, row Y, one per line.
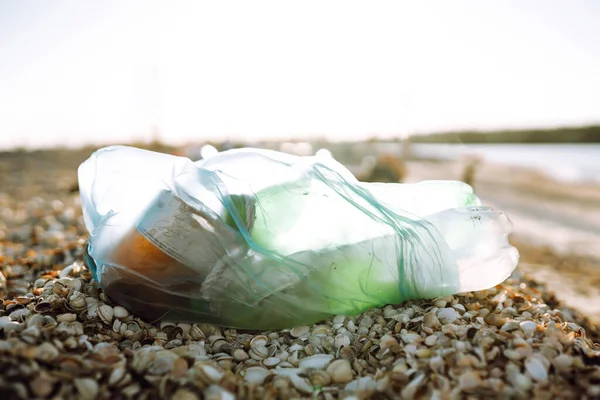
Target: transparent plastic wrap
column 259, row 239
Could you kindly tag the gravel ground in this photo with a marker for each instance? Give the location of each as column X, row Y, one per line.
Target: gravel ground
column 61, row 337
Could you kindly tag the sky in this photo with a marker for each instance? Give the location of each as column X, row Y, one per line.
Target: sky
column 77, row 72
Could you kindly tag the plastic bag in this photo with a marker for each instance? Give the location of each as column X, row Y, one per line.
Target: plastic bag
column 259, row 239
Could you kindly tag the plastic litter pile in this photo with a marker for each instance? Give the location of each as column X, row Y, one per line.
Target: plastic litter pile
column 258, row 239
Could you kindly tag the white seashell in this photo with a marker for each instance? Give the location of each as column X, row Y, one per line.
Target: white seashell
column 299, row 331
column 295, row 347
column 411, row 389
column 256, row 375
column 271, row 362
column 105, row 313
column 301, row 384
column 363, row 384
column 240, row 355
column 318, row 361
column 259, row 341
column 120, row 312
column 537, row 369
column 69, row 317
column 87, row 388
column 208, row 373
column 341, row 341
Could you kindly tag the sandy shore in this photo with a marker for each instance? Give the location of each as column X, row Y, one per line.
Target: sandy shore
column 61, row 337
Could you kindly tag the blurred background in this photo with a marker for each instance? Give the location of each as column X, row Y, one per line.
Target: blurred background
column 503, row 95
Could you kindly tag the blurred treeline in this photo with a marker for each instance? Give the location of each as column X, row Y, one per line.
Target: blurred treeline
column 585, row 134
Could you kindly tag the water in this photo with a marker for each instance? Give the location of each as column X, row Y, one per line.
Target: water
column 567, row 162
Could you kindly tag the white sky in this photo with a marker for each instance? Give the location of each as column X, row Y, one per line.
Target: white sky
column 81, row 71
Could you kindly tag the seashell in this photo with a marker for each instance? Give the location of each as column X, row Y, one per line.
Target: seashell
column 77, row 301
column 494, row 320
column 116, row 375
column 469, row 381
column 259, row 341
column 60, row 289
column 86, row 387
column 20, row 314
column 365, row 384
column 166, row 325
column 563, row 362
column 23, row 300
column 348, row 353
column 440, row 302
column 293, row 359
column 299, row 331
column 161, row 365
column 388, row 342
column 180, row 367
column 301, row 384
column 207, row 373
column 196, row 333
column 185, row 328
column 42, row 385
column 340, row 371
column 46, row 352
column 185, row 394
column 341, row 340
column 410, row 390
column 35, row 320
column 138, row 336
column 320, row 330
column 317, row 361
column 69, row 317
column 319, row 378
column 256, row 375
column 295, row 347
column 42, row 307
column 219, row 345
column 105, row 313
column 30, row 334
column 536, row 368
column 240, row 355
column 431, row 321
column 259, row 353
column 120, row 312
column 207, row 330
column 271, row 362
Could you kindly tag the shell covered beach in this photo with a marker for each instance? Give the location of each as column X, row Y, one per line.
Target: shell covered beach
column 61, row 337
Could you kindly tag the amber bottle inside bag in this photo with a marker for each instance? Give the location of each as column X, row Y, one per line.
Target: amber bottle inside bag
column 174, row 242
column 165, row 242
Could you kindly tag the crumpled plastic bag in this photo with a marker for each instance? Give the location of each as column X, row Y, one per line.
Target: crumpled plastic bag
column 258, row 239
